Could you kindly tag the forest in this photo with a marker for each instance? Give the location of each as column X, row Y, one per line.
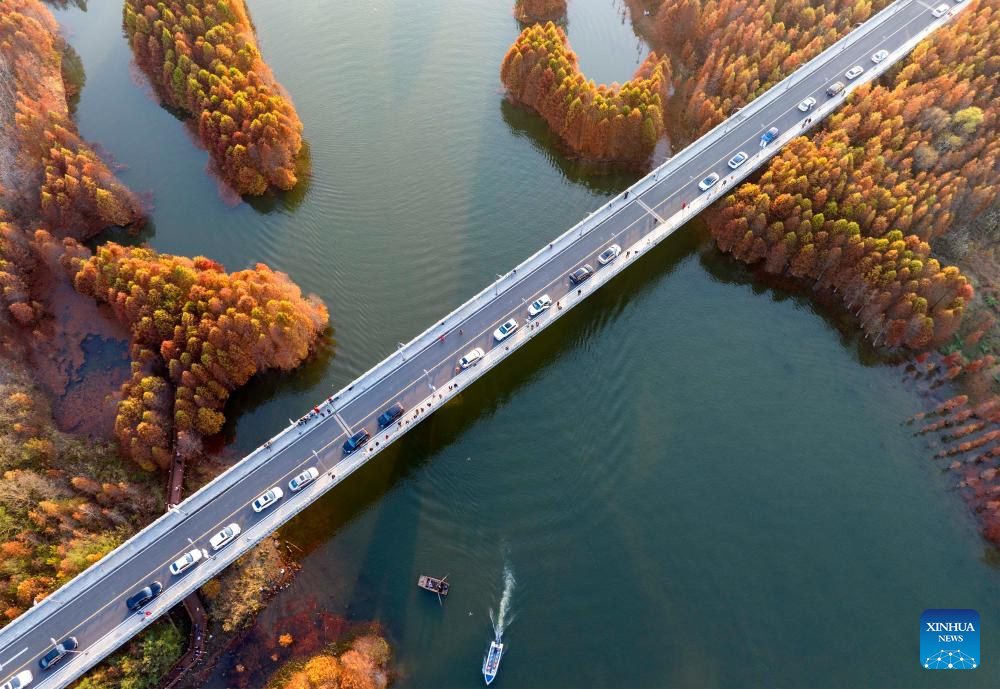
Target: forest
column 48, row 172
column 727, row 53
column 202, row 59
column 857, row 207
column 602, row 123
column 361, row 665
column 198, row 333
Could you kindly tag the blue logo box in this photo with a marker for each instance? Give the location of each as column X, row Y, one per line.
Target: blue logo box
column 949, row 639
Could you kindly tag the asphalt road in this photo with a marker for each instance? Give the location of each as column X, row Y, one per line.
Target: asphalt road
column 100, row 607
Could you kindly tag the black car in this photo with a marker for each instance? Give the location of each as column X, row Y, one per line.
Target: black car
column 390, row 415
column 356, row 441
column 142, row 597
column 56, row 654
column 581, row 274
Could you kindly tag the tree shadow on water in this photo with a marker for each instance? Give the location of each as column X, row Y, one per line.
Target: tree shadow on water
column 602, row 178
column 287, row 201
column 823, row 303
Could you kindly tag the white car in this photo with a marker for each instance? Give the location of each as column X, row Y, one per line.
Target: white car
column 609, row 254
column 709, row 181
column 807, row 104
column 854, row 72
column 505, row 330
column 307, row 476
column 471, row 358
column 225, row 537
column 879, row 56
column 189, row 558
column 265, row 500
column 737, row 160
column 541, row 304
column 21, row 679
column 940, row 10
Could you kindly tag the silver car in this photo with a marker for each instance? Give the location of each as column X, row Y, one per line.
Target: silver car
column 709, row 181
column 609, row 254
column 307, row 476
column 187, row 560
column 940, row 10
column 266, row 499
column 505, row 330
column 541, row 304
column 225, row 537
column 471, row 358
column 737, row 160
column 854, row 72
column 18, row 681
column 879, row 56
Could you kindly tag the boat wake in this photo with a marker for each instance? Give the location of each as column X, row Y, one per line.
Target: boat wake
column 503, row 616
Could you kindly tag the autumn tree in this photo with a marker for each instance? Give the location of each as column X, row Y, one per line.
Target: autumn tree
column 601, row 123
column 202, row 58
column 198, row 334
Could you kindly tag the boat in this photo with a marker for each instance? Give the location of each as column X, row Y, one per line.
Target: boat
column 491, row 665
column 434, row 585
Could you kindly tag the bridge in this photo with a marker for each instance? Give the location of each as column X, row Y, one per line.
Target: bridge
column 424, row 374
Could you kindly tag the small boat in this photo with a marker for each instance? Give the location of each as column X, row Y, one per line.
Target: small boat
column 434, row 585
column 491, row 665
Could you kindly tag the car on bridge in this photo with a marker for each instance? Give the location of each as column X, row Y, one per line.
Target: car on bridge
column 835, row 88
column 879, row 56
column 807, row 104
column 471, row 358
column 390, row 415
column 709, row 181
column 225, row 537
column 854, row 72
column 186, row 561
column 609, row 254
column 940, row 10
column 266, row 499
column 18, row 681
column 738, row 160
column 356, row 441
column 59, row 652
column 505, row 330
column 539, row 305
column 142, row 597
column 768, row 136
column 306, row 477
column 580, row 274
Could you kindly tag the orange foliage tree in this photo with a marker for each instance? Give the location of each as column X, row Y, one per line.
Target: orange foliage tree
column 731, row 51
column 531, row 11
column 202, row 58
column 913, row 157
column 198, row 333
column 601, row 123
column 54, row 174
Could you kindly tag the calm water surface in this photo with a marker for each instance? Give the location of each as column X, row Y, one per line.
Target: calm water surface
column 695, row 481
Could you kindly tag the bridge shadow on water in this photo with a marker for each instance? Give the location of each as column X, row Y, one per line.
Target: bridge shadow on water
column 402, row 462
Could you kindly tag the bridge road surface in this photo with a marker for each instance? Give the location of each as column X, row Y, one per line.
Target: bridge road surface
column 96, row 614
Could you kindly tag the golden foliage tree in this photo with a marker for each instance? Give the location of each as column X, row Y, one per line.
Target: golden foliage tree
column 202, row 58
column 202, row 329
column 855, row 209
column 601, row 123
